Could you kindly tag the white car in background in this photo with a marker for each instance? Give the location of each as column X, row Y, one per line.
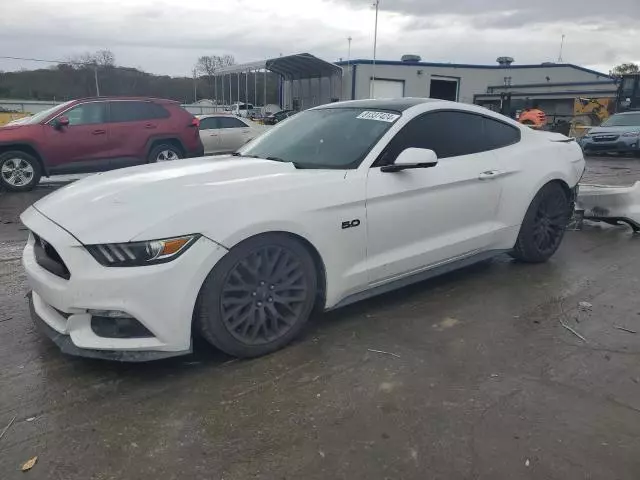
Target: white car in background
column 226, row 133
column 241, row 109
column 338, row 203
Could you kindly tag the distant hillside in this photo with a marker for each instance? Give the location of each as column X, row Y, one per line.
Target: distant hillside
column 63, row 82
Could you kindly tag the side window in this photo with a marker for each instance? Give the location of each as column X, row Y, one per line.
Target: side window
column 208, row 123
column 132, row 111
column 448, row 133
column 87, row 114
column 230, row 122
column 499, row 135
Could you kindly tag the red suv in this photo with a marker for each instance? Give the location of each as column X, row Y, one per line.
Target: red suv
column 95, row 134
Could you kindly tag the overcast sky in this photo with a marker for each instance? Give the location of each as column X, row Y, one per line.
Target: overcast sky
column 167, row 36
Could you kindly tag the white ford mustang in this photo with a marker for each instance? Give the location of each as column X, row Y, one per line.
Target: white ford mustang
column 336, row 204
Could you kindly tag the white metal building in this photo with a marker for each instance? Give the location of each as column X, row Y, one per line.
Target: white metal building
column 464, row 82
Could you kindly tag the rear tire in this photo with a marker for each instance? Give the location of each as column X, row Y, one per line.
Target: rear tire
column 19, row 171
column 544, row 225
column 164, row 152
column 258, row 297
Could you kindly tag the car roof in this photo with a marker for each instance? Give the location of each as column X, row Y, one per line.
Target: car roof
column 207, row 115
column 396, row 104
column 142, row 99
column 631, row 112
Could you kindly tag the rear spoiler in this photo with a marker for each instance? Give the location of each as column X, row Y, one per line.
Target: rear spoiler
column 555, row 137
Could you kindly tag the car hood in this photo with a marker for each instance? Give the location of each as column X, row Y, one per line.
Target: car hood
column 13, row 126
column 613, row 130
column 120, row 205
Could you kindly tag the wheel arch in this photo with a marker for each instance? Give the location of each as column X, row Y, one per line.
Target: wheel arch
column 26, row 148
column 557, row 178
column 321, row 271
column 153, row 142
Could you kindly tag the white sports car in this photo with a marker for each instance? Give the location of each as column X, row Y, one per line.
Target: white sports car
column 341, row 202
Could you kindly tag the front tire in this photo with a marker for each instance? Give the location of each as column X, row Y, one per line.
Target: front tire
column 164, row 153
column 544, row 225
column 19, row 171
column 259, row 296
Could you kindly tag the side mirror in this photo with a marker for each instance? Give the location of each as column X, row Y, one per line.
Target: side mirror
column 61, row 121
column 412, row 158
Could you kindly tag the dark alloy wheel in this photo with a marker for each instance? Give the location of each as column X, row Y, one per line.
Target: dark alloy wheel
column 258, row 297
column 263, row 295
column 544, row 225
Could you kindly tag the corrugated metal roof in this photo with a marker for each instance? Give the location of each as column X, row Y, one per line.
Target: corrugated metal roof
column 302, row 65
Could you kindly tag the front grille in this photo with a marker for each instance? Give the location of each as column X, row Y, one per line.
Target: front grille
column 49, row 259
column 603, row 148
column 605, row 138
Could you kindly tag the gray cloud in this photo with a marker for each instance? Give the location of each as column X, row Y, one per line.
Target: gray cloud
column 516, row 13
column 167, row 36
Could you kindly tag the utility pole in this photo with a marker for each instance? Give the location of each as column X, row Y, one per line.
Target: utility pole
column 349, row 52
column 215, row 88
column 375, row 44
column 195, row 85
column 95, row 77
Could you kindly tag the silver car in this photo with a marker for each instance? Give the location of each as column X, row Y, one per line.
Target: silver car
column 619, row 133
column 226, row 133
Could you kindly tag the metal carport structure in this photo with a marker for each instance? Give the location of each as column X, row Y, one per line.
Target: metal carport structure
column 305, row 80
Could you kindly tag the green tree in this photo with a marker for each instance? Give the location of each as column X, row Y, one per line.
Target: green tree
column 625, row 68
column 208, row 65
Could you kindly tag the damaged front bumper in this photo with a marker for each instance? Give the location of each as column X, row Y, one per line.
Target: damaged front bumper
column 67, row 346
column 610, row 204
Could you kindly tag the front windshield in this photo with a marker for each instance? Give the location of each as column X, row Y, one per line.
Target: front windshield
column 329, row 138
column 626, row 120
column 38, row 117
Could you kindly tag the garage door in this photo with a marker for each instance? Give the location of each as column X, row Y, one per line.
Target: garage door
column 386, row 88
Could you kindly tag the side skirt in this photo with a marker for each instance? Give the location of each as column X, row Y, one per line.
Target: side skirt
column 418, row 277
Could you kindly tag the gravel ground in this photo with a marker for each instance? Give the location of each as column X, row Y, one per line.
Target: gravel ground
column 485, row 381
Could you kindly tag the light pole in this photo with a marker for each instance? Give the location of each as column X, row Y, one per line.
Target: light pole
column 195, row 85
column 349, row 52
column 375, row 44
column 95, row 77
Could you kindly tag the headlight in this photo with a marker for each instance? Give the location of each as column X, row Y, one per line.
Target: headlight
column 136, row 254
column 631, row 134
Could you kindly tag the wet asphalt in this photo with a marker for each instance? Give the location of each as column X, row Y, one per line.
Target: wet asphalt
column 482, row 381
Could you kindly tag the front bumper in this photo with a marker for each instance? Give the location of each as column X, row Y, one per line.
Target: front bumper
column 629, row 145
column 67, row 346
column 160, row 297
column 611, row 204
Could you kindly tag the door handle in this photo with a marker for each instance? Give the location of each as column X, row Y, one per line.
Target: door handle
column 149, row 125
column 213, row 134
column 490, row 175
column 99, row 132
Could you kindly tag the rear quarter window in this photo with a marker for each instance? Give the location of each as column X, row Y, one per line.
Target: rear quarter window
column 134, row 111
column 499, row 135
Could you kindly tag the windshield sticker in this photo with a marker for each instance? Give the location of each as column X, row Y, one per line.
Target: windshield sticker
column 379, row 116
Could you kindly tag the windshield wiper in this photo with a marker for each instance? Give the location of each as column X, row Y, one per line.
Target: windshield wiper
column 278, row 159
column 238, row 154
column 273, row 159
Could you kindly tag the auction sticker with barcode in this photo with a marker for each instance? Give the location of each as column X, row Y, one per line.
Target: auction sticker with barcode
column 380, row 116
